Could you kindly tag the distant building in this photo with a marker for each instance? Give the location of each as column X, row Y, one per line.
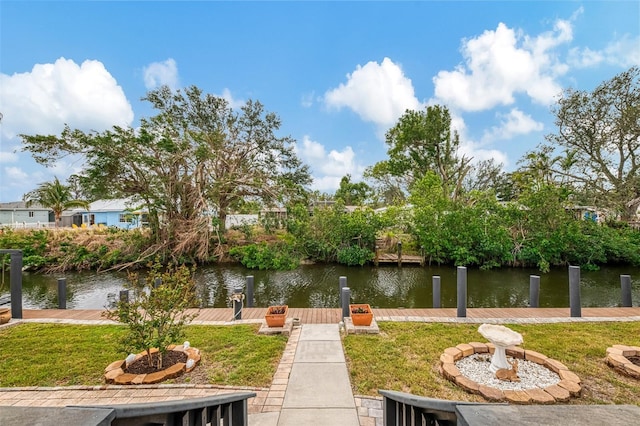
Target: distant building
column 588, row 213
column 17, row 215
column 119, row 213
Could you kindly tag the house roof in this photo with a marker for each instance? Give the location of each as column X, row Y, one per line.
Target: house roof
column 100, row 206
column 118, row 204
column 21, row 205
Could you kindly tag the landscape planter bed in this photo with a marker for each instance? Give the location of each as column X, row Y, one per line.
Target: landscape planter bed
column 568, row 387
column 115, row 372
column 618, row 357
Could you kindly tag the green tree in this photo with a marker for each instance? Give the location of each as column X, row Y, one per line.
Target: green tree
column 196, row 157
column 484, row 175
column 387, row 189
column 429, row 207
column 599, row 133
column 539, row 222
column 423, row 141
column 55, row 196
column 157, row 315
column 352, row 193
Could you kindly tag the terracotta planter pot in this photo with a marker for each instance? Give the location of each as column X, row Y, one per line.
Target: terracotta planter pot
column 276, row 315
column 361, row 314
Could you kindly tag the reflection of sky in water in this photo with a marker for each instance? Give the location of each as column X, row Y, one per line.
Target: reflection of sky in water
column 318, row 286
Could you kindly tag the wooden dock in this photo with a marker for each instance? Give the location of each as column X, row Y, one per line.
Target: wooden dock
column 333, row 315
column 392, row 258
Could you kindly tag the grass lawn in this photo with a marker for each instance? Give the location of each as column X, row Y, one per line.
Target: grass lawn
column 35, row 354
column 405, row 357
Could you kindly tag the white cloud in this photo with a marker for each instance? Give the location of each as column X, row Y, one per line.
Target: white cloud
column 498, row 64
column 158, row 74
column 472, row 149
column 478, row 153
column 84, row 96
column 584, row 58
column 307, row 99
column 233, row 103
column 514, row 123
column 623, row 52
column 42, row 101
column 15, row 174
column 328, row 168
column 378, row 93
column 8, row 157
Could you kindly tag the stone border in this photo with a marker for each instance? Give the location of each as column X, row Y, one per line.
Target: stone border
column 569, row 385
column 361, row 329
column 617, row 358
column 284, row 330
column 114, row 373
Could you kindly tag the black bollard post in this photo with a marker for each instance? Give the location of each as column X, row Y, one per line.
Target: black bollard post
column 15, row 281
column 124, row 296
column 436, row 291
column 237, row 303
column 534, row 291
column 462, row 291
column 574, row 291
column 62, row 293
column 345, row 298
column 249, row 291
column 342, row 282
column 625, row 283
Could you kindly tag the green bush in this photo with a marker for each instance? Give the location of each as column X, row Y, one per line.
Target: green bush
column 354, row 256
column 156, row 316
column 278, row 256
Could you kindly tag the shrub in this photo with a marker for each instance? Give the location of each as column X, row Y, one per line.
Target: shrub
column 278, row 256
column 156, row 316
column 354, row 255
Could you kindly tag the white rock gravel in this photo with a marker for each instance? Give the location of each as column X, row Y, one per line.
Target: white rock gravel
column 476, row 367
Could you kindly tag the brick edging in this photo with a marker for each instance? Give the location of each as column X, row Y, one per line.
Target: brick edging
column 617, row 359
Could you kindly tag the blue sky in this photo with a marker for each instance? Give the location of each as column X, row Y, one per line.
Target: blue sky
column 339, row 74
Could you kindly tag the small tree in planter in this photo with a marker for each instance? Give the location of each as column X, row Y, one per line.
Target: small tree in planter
column 157, row 314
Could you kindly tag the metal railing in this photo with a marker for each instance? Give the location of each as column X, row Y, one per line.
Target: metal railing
column 229, row 409
column 404, row 409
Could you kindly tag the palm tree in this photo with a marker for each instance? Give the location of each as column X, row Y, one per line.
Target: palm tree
column 55, row 196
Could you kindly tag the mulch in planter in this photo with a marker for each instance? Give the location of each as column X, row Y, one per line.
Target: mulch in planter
column 141, row 366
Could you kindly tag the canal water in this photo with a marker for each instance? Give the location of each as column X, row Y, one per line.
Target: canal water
column 316, row 286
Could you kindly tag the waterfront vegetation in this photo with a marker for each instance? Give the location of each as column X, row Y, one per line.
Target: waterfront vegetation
column 570, row 201
column 405, row 357
column 65, row 355
column 484, row 234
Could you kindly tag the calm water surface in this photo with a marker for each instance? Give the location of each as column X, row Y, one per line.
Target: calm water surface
column 316, row 286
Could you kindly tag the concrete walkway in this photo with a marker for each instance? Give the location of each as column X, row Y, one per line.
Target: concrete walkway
column 318, row 390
